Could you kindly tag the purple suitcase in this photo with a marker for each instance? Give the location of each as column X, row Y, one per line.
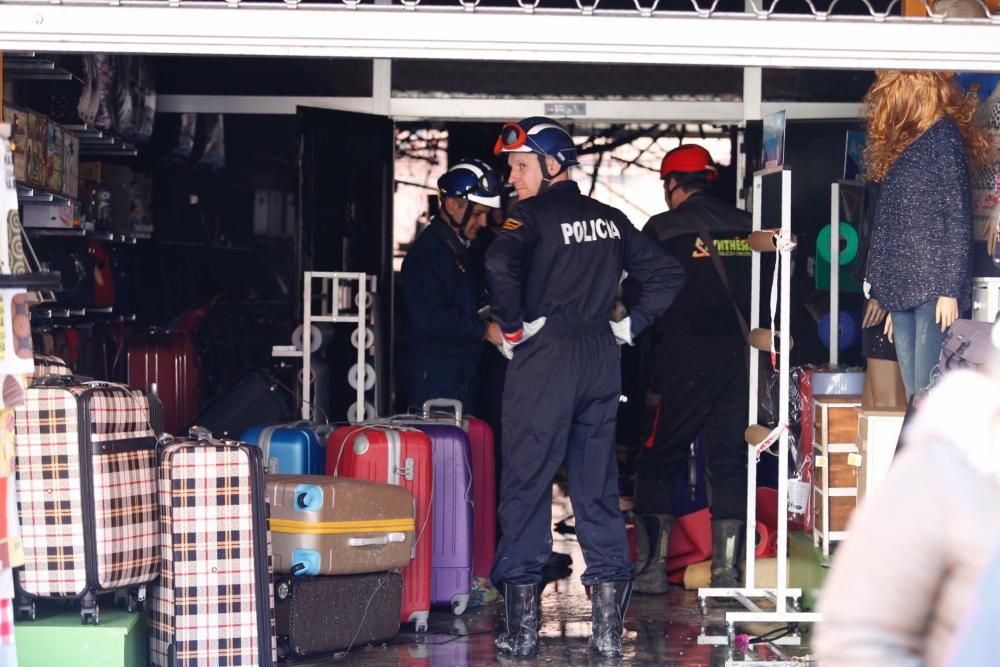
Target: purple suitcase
column 451, row 562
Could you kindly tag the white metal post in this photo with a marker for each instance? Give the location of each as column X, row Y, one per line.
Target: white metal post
column 307, row 412
column 784, row 363
column 362, row 323
column 834, row 274
column 753, row 93
column 754, row 369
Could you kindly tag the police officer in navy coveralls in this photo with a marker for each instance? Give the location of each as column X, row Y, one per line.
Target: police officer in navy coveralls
column 443, row 291
column 553, row 274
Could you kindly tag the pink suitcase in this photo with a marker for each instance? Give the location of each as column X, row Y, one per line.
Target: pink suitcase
column 482, row 454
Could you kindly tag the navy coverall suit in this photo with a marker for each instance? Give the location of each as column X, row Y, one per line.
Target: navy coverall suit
column 561, row 255
column 445, row 330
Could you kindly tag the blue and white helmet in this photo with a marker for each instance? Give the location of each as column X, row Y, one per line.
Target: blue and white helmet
column 474, row 180
column 540, row 135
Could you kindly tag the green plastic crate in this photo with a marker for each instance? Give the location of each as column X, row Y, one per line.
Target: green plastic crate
column 807, row 568
column 60, row 639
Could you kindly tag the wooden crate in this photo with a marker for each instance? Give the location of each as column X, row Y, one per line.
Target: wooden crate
column 836, row 419
column 878, row 433
column 841, row 509
column 836, row 460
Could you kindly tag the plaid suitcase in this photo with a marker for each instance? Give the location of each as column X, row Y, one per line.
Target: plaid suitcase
column 213, row 603
column 86, row 491
column 319, row 614
column 46, row 365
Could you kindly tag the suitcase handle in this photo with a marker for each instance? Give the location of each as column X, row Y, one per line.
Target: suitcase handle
column 62, row 380
column 448, row 404
column 200, row 433
column 381, row 540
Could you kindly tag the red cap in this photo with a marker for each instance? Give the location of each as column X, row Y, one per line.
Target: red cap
column 688, row 158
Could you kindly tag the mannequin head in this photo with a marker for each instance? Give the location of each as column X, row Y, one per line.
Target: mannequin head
column 901, row 106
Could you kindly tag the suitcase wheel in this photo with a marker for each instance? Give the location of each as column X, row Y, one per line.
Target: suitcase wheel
column 89, row 609
column 420, row 624
column 134, row 603
column 26, row 609
column 459, row 604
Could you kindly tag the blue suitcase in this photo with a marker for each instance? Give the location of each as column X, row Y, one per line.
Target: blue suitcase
column 288, row 449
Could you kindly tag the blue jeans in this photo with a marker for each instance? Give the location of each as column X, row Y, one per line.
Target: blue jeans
column 918, row 344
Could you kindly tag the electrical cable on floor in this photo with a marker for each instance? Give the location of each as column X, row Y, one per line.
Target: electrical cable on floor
column 743, row 642
column 294, row 394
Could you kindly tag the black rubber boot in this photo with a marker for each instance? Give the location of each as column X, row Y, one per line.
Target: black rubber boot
column 521, row 605
column 610, row 601
column 727, row 550
column 652, row 540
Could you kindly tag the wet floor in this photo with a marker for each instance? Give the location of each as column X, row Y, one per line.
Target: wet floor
column 662, row 630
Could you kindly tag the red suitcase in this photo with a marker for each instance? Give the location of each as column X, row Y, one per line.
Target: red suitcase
column 402, row 457
column 167, row 359
column 482, row 454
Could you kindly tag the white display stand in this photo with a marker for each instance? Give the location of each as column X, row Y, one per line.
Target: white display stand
column 834, row 274
column 985, row 299
column 784, row 599
column 343, row 299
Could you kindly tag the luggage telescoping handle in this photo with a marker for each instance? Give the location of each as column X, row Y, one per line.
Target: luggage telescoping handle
column 435, row 405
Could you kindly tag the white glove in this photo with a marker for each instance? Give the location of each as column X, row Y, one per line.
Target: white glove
column 527, row 330
column 622, row 331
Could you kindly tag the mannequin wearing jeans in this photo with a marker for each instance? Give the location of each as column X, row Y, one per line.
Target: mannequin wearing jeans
column 917, row 335
column 921, row 138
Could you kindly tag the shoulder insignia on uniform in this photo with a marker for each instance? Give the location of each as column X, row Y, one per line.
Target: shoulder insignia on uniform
column 511, row 225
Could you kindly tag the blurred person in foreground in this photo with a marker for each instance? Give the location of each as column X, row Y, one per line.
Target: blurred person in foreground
column 918, row 549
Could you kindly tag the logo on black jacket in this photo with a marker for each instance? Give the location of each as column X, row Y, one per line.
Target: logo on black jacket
column 589, row 230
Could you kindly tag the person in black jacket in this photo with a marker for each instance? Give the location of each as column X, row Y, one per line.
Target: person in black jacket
column 443, row 292
column 553, row 273
column 698, row 384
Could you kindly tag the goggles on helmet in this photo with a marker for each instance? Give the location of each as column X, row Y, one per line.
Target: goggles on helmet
column 512, row 138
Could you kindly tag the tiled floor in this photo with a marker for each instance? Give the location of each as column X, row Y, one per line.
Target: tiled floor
column 660, row 630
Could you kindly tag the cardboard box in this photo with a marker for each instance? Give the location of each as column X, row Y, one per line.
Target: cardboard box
column 37, row 150
column 55, row 215
column 54, row 164
column 270, row 211
column 119, row 183
column 140, row 205
column 71, row 165
column 18, row 121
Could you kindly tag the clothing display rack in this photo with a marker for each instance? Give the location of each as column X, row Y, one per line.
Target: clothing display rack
column 777, row 345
